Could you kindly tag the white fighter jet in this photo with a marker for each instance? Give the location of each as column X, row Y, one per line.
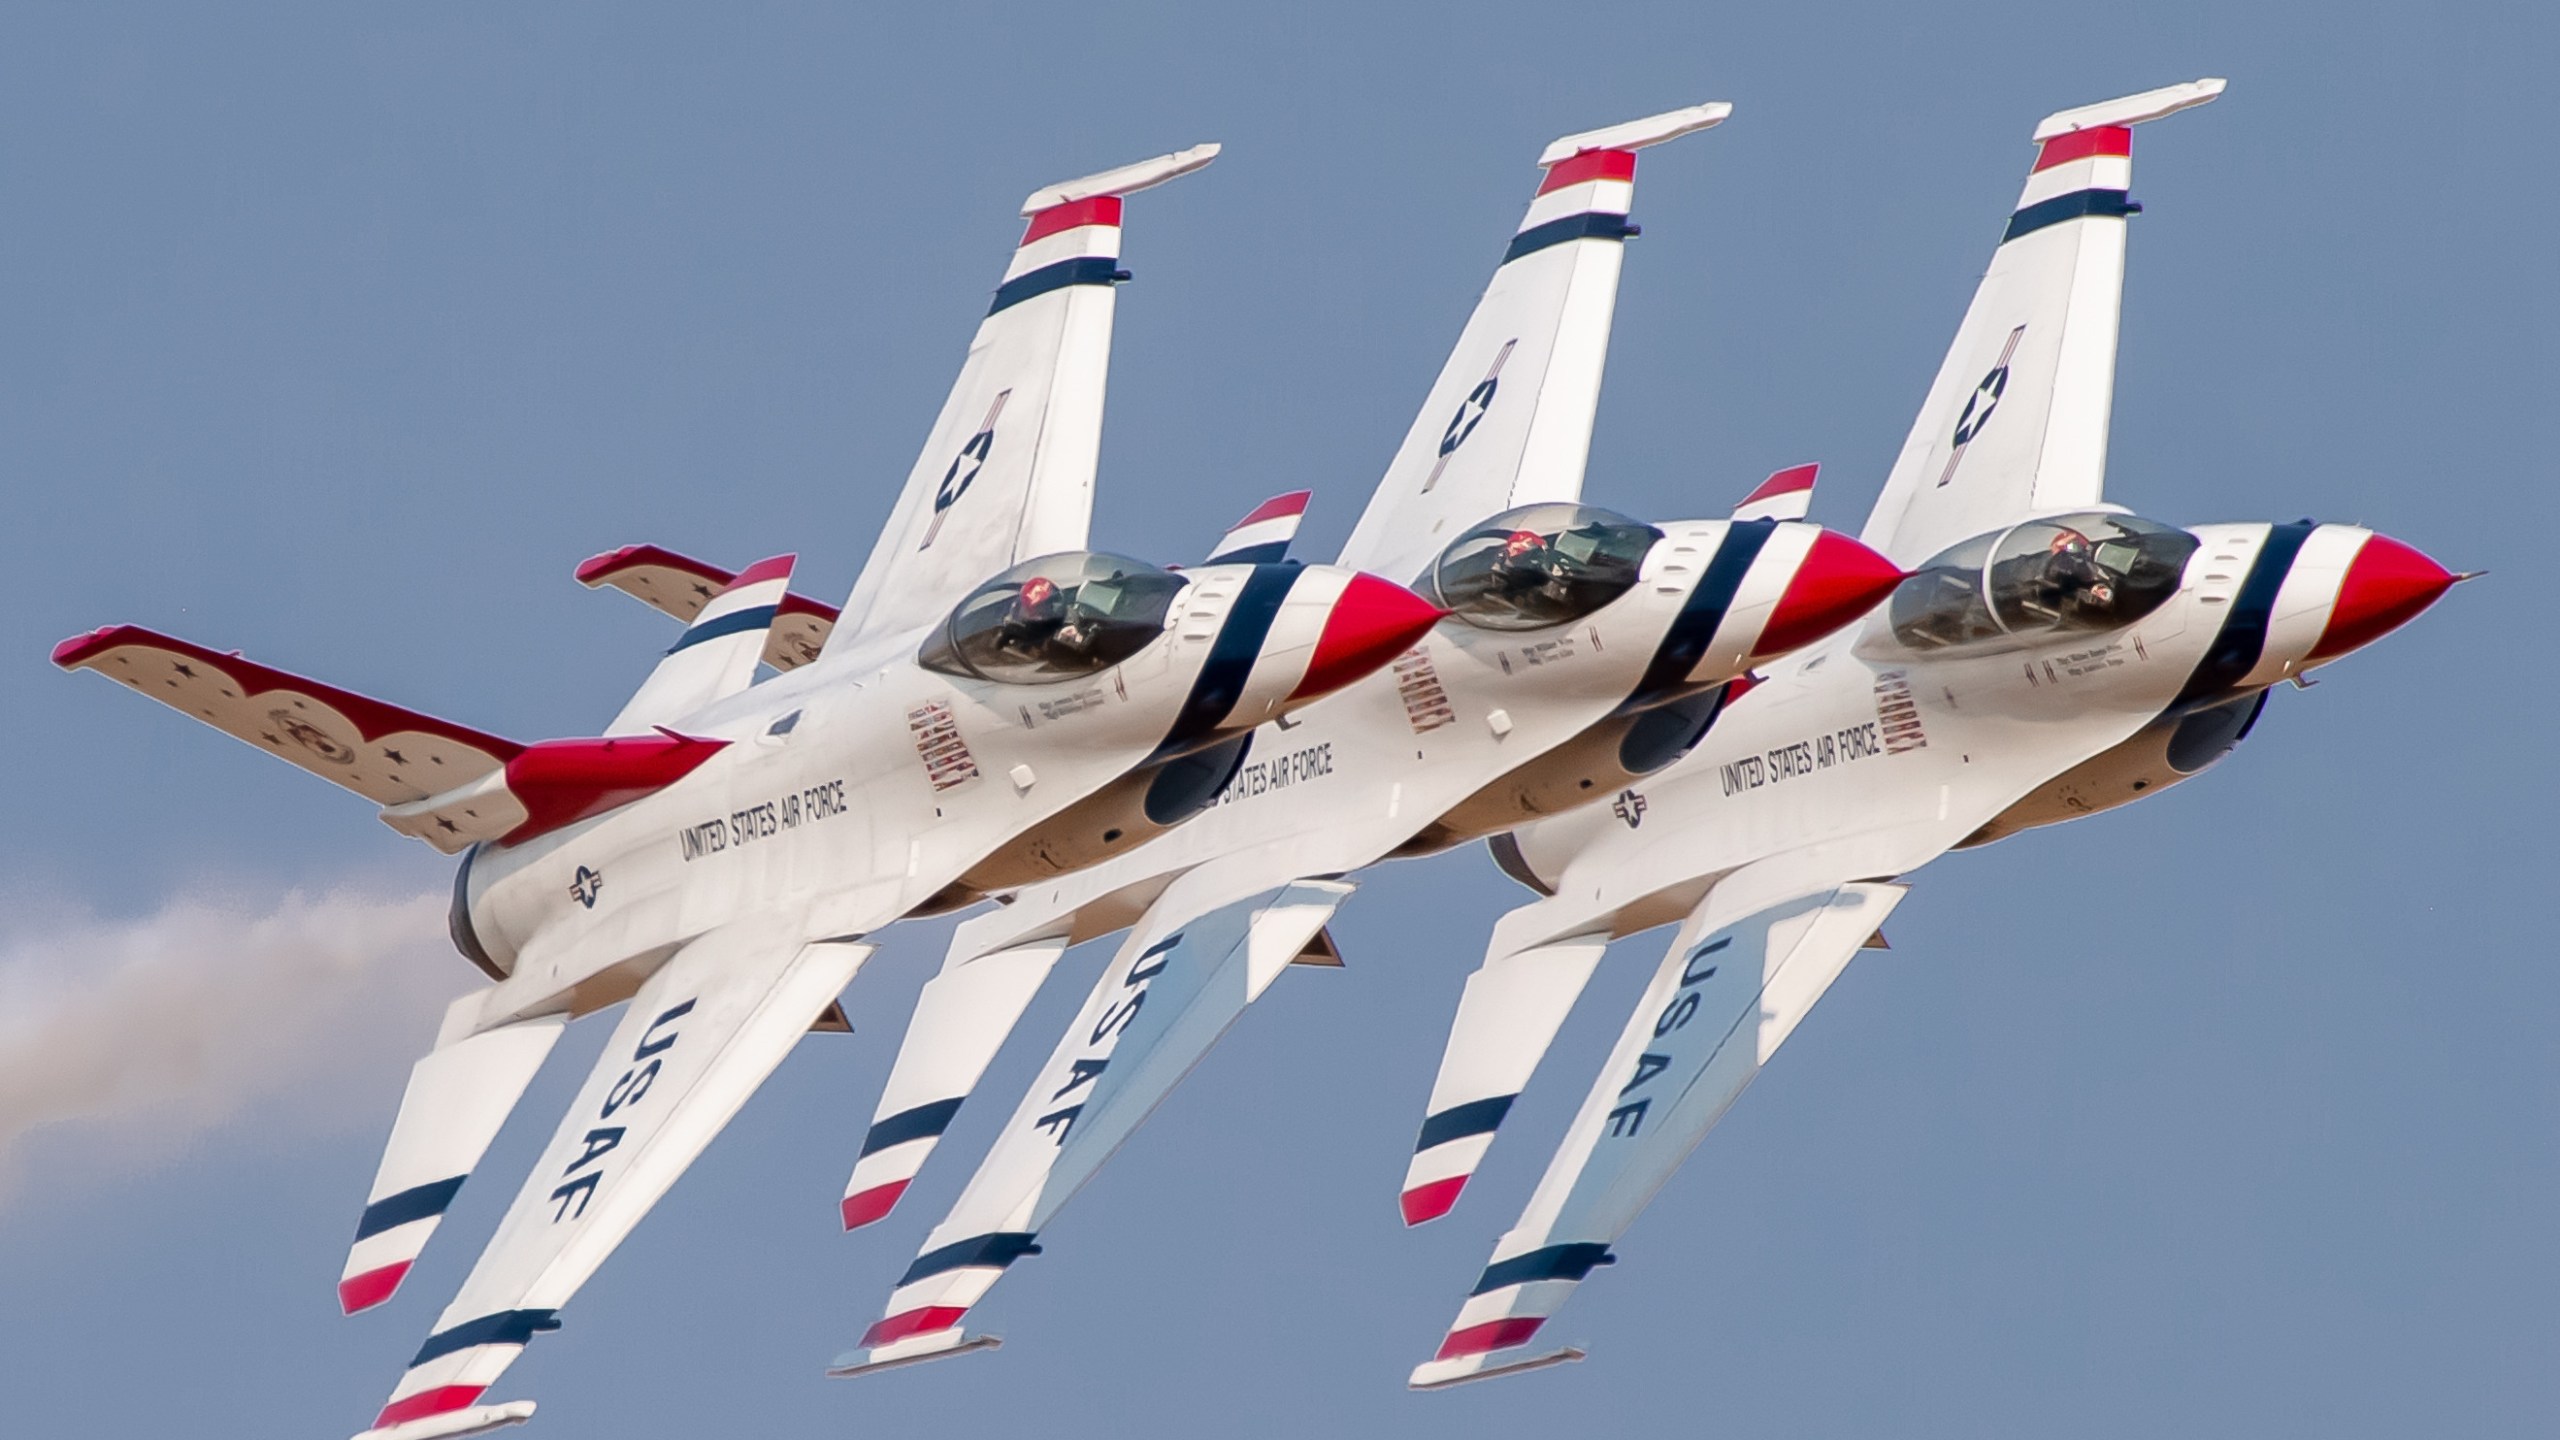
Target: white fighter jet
column 2051, row 656
column 1585, row 649
column 720, row 856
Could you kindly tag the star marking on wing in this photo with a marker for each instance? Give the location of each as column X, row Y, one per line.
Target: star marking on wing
column 449, row 827
column 183, row 668
column 394, row 756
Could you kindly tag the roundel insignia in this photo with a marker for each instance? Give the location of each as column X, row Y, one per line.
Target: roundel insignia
column 1470, row 411
column 1979, row 405
column 954, row 483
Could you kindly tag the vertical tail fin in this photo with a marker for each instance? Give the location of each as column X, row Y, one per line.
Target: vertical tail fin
column 1262, row 537
column 1007, row 472
column 1509, row 420
column 2016, row 422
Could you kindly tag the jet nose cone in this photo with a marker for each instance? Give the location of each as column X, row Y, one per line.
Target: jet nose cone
column 1371, row 622
column 2385, row 587
column 1839, row 581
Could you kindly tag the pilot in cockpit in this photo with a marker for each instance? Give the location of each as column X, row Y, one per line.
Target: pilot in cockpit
column 1039, row 624
column 1525, row 565
column 2075, row 582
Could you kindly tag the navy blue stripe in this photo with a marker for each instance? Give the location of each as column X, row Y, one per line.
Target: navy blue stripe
column 996, row 1250
column 1231, row 659
column 2068, row 207
column 1694, row 628
column 1270, row 552
column 2243, row 637
column 507, row 1327
column 418, row 1202
column 922, row 1123
column 1476, row 1117
column 1589, row 225
column 1083, row 270
column 1556, row 1262
column 754, row 617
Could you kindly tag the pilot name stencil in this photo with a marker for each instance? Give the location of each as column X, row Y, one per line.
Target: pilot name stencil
column 1801, row 757
column 822, row 801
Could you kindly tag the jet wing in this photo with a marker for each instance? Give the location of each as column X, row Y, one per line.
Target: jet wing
column 1007, row 472
column 382, row 752
column 1743, row 971
column 1509, row 420
column 1186, row 970
column 696, row 1041
column 2016, row 422
column 679, row 586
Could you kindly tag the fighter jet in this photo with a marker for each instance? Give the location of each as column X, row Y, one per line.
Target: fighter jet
column 2051, row 656
column 718, row 860
column 1585, row 649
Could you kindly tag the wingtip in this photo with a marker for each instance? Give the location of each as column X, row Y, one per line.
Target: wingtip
column 1425, row 1203
column 78, row 648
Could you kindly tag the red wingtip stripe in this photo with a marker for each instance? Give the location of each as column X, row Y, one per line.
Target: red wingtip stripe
column 1057, row 219
column 71, row 652
column 863, row 1207
column 1431, row 1201
column 363, row 1292
column 2081, row 144
column 598, row 569
column 911, row 1323
column 442, row 1399
column 1785, row 482
column 1492, row 1335
column 777, row 568
column 795, row 603
column 1293, row 503
column 1588, row 166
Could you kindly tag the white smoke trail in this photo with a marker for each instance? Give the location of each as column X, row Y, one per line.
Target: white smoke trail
column 161, row 1028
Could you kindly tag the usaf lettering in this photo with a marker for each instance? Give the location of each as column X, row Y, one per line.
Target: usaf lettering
column 1628, row 1118
column 629, row 1089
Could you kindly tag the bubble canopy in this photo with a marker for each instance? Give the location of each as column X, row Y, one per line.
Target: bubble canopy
column 1057, row 617
column 1539, row 565
column 2060, row 574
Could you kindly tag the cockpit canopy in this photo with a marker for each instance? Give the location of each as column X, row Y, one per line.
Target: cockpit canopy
column 1058, row 617
column 2085, row 572
column 1539, row 565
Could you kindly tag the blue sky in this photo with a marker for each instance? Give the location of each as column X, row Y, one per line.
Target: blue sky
column 341, row 333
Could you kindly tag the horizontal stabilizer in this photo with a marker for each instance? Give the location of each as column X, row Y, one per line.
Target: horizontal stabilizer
column 546, row 787
column 679, row 586
column 1786, row 495
column 1262, row 537
column 716, row 655
column 386, row 754
column 458, row 1097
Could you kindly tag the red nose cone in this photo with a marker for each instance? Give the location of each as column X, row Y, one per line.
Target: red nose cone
column 1372, row 623
column 1839, row 581
column 2386, row 585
